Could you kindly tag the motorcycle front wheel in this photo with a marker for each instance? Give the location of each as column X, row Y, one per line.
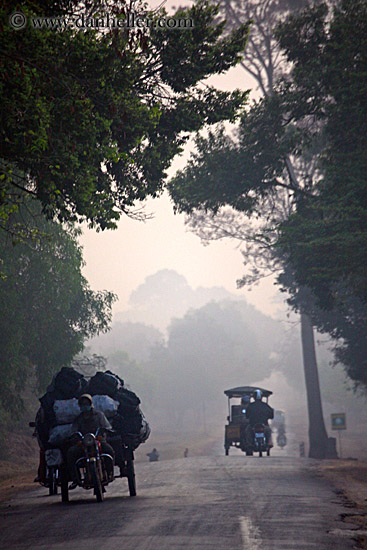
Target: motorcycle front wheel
column 96, row 482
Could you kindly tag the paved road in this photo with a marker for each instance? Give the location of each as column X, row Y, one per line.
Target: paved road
column 226, row 503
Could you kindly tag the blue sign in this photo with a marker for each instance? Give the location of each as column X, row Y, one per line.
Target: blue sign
column 338, row 421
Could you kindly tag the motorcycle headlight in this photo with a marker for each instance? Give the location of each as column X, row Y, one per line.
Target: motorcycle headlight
column 89, row 440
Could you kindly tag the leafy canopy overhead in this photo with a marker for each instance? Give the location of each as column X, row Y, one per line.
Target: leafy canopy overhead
column 326, row 238
column 47, row 307
column 315, row 117
column 319, row 108
column 90, row 121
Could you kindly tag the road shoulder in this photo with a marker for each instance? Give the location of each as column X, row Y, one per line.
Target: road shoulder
column 349, row 477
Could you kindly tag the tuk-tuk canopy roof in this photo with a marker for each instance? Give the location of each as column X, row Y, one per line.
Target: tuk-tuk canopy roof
column 246, row 390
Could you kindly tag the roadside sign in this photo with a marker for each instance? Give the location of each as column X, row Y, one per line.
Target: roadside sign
column 338, row 421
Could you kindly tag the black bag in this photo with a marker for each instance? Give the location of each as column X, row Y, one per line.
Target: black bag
column 127, row 398
column 121, row 382
column 47, row 403
column 69, row 383
column 128, row 425
column 104, row 383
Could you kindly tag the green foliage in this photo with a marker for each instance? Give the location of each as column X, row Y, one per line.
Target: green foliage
column 48, row 309
column 345, row 322
column 239, row 173
column 91, row 120
column 326, row 239
column 316, row 115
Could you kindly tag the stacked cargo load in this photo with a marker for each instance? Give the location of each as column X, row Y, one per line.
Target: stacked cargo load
column 129, row 422
column 59, row 407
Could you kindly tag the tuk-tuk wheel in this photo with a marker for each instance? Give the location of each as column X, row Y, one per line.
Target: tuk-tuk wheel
column 249, row 453
column 268, row 452
column 227, row 451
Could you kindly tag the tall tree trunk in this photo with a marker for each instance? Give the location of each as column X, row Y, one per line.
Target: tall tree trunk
column 318, row 437
column 263, row 72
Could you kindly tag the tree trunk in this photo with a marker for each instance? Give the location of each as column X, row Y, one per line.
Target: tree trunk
column 318, row 437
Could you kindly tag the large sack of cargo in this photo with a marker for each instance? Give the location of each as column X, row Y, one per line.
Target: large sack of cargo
column 69, row 383
column 133, row 428
column 59, row 434
column 104, row 383
column 127, row 398
column 66, row 410
column 66, row 384
column 106, row 404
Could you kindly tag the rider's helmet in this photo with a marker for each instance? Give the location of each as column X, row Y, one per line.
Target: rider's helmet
column 86, row 397
column 258, row 395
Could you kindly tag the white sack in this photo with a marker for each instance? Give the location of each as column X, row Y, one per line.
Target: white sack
column 54, row 457
column 59, row 434
column 106, row 404
column 66, row 410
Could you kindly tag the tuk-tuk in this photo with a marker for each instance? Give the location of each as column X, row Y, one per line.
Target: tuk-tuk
column 235, row 430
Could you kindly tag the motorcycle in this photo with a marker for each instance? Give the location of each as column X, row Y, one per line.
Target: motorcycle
column 281, row 437
column 48, row 471
column 94, row 469
column 259, row 440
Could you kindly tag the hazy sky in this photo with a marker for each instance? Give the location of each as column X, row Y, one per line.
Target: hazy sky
column 120, row 260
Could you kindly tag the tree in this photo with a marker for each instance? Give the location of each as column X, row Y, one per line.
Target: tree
column 207, row 350
column 326, row 237
column 345, row 322
column 258, row 174
column 136, row 339
column 90, row 120
column 48, row 309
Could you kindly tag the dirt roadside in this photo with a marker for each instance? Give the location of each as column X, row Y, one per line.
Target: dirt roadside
column 349, row 478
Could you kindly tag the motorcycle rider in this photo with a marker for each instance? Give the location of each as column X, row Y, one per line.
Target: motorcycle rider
column 88, row 421
column 258, row 412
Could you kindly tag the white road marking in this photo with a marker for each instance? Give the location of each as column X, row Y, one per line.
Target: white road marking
column 250, row 534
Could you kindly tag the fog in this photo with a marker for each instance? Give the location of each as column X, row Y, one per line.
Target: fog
column 182, row 332
column 179, row 348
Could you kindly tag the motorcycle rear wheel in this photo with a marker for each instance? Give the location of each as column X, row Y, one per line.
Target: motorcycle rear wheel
column 64, row 485
column 131, row 478
column 98, row 491
column 53, row 479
